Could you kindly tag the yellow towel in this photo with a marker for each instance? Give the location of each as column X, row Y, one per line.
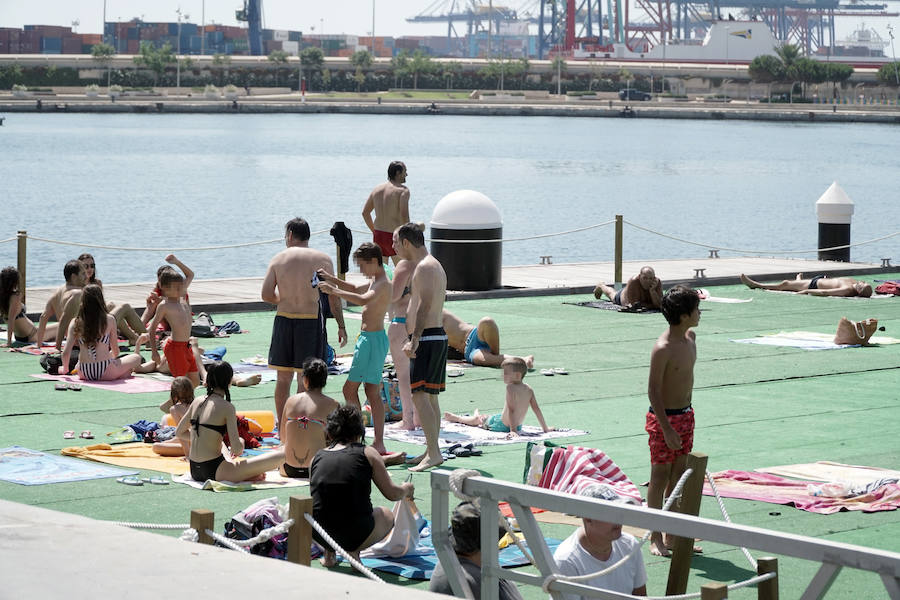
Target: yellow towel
column 137, row 455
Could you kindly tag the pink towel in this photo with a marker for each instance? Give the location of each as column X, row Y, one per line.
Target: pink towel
column 777, row 490
column 131, row 385
column 573, row 469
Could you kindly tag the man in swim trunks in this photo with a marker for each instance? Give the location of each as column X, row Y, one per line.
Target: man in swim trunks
column 644, row 289
column 479, row 344
column 64, row 303
column 372, row 343
column 427, row 343
column 670, row 419
column 390, row 202
column 817, row 286
column 291, row 284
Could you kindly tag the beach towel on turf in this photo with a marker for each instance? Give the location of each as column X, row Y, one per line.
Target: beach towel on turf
column 132, row 385
column 825, row 470
column 136, row 456
column 777, row 490
column 457, row 433
column 574, row 468
column 809, row 340
column 30, row 467
column 274, row 480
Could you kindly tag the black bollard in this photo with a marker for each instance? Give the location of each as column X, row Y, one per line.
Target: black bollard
column 834, row 211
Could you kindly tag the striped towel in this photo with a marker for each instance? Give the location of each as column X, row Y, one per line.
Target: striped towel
column 573, row 468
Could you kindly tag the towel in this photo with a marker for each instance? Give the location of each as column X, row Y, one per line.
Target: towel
column 132, row 385
column 824, row 470
column 274, row 480
column 137, row 455
column 572, row 469
column 457, row 433
column 809, row 340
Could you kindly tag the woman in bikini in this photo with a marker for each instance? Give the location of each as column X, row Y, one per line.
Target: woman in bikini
column 303, row 432
column 205, row 425
column 19, row 327
column 340, row 484
column 94, row 332
column 127, row 320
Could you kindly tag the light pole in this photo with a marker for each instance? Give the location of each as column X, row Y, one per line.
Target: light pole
column 178, row 51
column 373, row 28
column 727, row 35
column 890, row 29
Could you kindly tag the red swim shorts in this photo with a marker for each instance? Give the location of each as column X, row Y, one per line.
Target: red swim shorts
column 180, row 357
column 683, row 424
column 385, row 241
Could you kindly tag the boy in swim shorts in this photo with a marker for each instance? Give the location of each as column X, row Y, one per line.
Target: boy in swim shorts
column 670, row 419
column 519, row 397
column 372, row 343
column 177, row 349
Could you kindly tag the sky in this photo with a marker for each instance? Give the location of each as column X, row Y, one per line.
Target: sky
column 309, row 16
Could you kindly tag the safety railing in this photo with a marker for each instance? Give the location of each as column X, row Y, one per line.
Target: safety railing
column 833, row 556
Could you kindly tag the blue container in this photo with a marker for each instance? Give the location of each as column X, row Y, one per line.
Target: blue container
column 51, row 45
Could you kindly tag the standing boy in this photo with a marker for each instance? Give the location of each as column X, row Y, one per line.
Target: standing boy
column 177, row 348
column 372, row 343
column 670, row 420
column 519, row 397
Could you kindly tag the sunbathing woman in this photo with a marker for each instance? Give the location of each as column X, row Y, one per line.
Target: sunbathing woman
column 205, row 426
column 340, row 483
column 94, row 332
column 127, row 320
column 303, row 432
column 19, row 328
column 181, row 396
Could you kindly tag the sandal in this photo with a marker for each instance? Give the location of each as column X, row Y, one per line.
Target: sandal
column 68, row 435
column 547, row 372
column 155, row 480
column 75, row 387
column 86, row 434
column 130, row 480
column 60, row 387
column 560, row 371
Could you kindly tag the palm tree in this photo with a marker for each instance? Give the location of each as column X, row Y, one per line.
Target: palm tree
column 103, row 54
column 279, row 57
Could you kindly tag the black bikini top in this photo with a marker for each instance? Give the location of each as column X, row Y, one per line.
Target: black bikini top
column 196, row 424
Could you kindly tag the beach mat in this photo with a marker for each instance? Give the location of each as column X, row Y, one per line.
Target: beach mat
column 30, row 467
column 763, row 487
column 607, row 305
column 274, row 480
column 457, row 433
column 809, row 340
column 825, row 470
column 132, row 385
column 136, row 455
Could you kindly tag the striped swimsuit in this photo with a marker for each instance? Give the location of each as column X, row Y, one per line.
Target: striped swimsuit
column 94, row 370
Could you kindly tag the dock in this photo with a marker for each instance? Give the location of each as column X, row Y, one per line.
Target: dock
column 243, row 293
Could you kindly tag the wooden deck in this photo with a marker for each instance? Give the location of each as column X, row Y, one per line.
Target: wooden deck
column 242, row 293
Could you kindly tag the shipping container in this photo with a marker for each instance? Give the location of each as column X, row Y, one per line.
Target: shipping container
column 71, row 45
column 294, row 36
column 91, row 38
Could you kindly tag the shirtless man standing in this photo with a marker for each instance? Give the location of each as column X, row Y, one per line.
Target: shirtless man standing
column 64, row 302
column 427, row 343
column 479, row 344
column 390, row 202
column 298, row 331
column 397, row 337
column 372, row 343
column 817, row 286
column 644, row 288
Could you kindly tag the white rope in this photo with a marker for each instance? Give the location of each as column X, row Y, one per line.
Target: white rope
column 149, row 249
column 8, row 240
column 518, row 239
column 355, row 563
column 266, row 534
column 227, row 542
column 744, row 251
column 734, row 586
column 150, row 525
column 190, row 535
column 712, row 485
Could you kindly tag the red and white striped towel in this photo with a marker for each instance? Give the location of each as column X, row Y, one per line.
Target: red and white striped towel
column 574, row 468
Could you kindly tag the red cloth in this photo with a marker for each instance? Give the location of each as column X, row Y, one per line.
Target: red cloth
column 243, row 426
column 572, row 469
column 660, row 453
column 385, row 241
column 180, row 357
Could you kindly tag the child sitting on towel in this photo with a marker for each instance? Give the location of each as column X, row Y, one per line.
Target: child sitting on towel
column 519, row 396
column 305, row 414
column 181, row 395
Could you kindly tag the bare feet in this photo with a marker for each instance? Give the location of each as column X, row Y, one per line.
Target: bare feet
column 379, row 447
column 657, row 546
column 749, row 282
column 415, row 460
column 394, row 458
column 529, row 361
column 328, row 560
column 246, row 380
column 401, row 426
column 426, row 463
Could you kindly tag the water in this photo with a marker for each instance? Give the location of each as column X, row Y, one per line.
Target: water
column 200, row 180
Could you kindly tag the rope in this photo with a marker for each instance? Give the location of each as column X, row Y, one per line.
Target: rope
column 712, row 484
column 8, row 240
column 356, row 564
column 190, row 535
column 149, row 525
column 734, row 586
column 149, row 249
column 518, row 239
column 266, row 534
column 744, row 251
column 227, row 542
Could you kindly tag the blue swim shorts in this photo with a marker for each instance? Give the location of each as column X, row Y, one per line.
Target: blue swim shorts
column 368, row 357
column 474, row 343
column 495, row 423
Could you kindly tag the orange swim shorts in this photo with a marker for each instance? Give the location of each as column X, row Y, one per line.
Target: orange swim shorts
column 682, row 423
column 180, row 357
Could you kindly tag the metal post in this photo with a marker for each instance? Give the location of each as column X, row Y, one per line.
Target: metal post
column 22, row 260
column 714, row 591
column 689, row 504
column 767, row 590
column 201, row 520
column 618, row 255
column 300, row 533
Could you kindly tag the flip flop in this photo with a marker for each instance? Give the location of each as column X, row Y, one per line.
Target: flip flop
column 155, row 480
column 130, row 480
column 547, row 372
column 86, row 434
column 560, row 371
column 75, row 387
column 60, row 387
column 455, row 372
column 68, row 435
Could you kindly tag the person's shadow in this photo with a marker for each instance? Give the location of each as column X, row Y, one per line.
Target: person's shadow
column 716, row 570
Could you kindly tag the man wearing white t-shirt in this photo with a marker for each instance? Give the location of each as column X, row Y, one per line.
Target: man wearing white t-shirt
column 597, row 545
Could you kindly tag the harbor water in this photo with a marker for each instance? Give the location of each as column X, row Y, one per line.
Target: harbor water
column 184, row 181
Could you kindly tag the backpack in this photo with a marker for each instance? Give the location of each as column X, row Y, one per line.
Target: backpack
column 51, row 362
column 203, row 326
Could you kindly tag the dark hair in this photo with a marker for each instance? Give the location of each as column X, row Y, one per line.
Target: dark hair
column 218, row 375
column 345, row 425
column 678, row 301
column 316, row 372
column 169, row 277
column 72, row 267
column 181, row 389
column 394, row 168
column 413, row 232
column 298, row 228
column 93, row 279
column 368, row 251
column 162, row 270
column 9, row 285
column 91, row 320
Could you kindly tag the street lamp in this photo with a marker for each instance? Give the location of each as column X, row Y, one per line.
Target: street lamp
column 178, row 51
column 727, row 35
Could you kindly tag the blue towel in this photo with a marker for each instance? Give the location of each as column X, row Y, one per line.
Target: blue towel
column 216, row 353
column 143, row 426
